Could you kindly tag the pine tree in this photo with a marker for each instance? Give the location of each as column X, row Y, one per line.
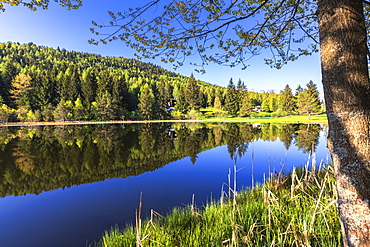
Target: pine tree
column 118, row 92
column 314, row 92
column 308, row 100
column 60, row 112
column 146, row 103
column 179, row 94
column 103, row 106
column 8, row 74
column 246, row 107
column 232, row 99
column 69, row 107
column 105, row 83
column 69, row 84
column 306, row 103
column 273, row 101
column 45, row 90
column 192, row 94
column 298, row 90
column 162, row 93
column 88, row 86
column 287, row 101
column 210, row 95
column 48, row 112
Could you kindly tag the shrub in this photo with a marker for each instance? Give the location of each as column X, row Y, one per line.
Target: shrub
column 193, row 114
column 279, row 113
column 254, row 114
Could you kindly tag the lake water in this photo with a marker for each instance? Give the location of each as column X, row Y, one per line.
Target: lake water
column 65, row 185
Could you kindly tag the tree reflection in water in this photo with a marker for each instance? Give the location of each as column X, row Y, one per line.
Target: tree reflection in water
column 36, row 159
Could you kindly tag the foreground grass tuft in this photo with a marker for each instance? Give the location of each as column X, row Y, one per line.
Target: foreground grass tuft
column 295, row 210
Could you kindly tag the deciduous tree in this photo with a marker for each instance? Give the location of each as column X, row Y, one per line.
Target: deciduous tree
column 21, row 85
column 217, row 105
column 337, row 26
column 36, row 4
column 5, row 112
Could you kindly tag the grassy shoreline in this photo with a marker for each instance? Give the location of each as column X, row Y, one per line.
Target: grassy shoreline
column 316, row 119
column 295, row 210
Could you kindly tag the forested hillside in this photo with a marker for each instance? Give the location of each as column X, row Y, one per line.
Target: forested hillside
column 38, row 83
column 41, row 83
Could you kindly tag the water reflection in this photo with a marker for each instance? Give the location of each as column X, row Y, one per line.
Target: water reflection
column 187, row 159
column 36, row 159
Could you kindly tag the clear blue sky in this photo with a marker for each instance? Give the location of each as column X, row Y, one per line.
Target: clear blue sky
column 71, row 30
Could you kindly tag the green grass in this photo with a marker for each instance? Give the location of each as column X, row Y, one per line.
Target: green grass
column 295, row 210
column 211, row 114
column 319, row 118
column 208, row 114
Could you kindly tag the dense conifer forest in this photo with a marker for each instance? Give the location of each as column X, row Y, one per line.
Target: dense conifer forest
column 41, row 83
column 38, row 83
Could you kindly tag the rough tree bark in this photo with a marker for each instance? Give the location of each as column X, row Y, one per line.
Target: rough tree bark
column 347, row 95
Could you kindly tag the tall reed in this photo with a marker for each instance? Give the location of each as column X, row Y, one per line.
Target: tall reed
column 295, row 210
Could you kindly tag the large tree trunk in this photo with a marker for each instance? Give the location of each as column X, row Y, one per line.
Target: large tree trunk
column 346, row 88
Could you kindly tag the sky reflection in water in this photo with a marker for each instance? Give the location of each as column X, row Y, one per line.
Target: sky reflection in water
column 78, row 215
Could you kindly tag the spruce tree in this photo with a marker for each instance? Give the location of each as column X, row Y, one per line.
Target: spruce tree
column 88, row 87
column 306, row 103
column 146, row 103
column 192, row 94
column 232, row 99
column 314, row 92
column 60, row 112
column 243, row 99
column 45, row 90
column 308, row 100
column 179, row 94
column 246, row 107
column 162, row 93
column 287, row 102
column 8, row 74
column 104, row 108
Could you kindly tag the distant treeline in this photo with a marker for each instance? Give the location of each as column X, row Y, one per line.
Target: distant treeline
column 36, row 159
column 38, row 83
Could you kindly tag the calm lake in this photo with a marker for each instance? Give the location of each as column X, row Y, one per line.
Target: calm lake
column 65, row 185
